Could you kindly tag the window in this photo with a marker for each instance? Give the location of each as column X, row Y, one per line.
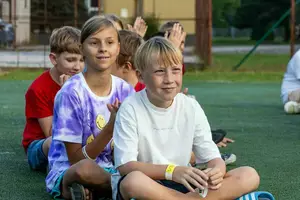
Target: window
column 94, row 3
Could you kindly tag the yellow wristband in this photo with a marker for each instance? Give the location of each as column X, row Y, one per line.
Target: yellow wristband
column 169, row 172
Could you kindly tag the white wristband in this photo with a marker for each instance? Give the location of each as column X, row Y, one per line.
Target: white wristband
column 85, row 154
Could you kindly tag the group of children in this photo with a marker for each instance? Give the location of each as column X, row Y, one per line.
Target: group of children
column 112, row 104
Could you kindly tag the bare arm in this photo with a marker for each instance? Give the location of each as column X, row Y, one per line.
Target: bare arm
column 46, row 125
column 93, row 149
column 217, row 163
column 156, row 172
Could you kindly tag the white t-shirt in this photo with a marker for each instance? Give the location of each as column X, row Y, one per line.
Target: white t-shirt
column 291, row 79
column 146, row 133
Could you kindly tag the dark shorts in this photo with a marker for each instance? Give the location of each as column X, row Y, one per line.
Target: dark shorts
column 37, row 160
column 169, row 184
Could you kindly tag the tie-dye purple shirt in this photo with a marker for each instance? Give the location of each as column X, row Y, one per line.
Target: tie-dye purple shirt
column 79, row 116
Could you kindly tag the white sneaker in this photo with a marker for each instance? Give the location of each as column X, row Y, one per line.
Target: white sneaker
column 292, row 107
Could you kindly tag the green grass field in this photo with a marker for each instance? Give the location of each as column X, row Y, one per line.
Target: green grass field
column 245, row 103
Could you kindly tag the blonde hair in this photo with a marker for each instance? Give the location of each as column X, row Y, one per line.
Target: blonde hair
column 65, row 39
column 94, row 25
column 157, row 50
column 130, row 42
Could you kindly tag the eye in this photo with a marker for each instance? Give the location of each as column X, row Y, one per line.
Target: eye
column 160, row 71
column 70, row 59
column 110, row 42
column 93, row 43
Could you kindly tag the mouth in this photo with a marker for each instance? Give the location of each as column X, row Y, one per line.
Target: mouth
column 168, row 89
column 72, row 73
column 102, row 57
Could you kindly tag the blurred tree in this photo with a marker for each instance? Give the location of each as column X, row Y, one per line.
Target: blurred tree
column 260, row 15
column 59, row 13
column 223, row 12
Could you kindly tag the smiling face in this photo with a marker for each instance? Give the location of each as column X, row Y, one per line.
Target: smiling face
column 163, row 83
column 67, row 63
column 160, row 67
column 101, row 48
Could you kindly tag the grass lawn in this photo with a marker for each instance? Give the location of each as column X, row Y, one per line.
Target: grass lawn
column 246, row 103
column 266, row 138
column 259, row 67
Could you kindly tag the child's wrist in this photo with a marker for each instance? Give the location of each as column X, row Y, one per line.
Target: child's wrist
column 169, row 172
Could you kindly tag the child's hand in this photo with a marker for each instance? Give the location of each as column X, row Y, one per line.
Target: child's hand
column 215, row 178
column 189, row 175
column 113, row 108
column 176, row 35
column 139, row 26
column 63, row 78
column 224, row 142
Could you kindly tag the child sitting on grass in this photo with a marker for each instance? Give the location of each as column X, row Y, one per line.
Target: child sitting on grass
column 66, row 58
column 80, row 155
column 157, row 129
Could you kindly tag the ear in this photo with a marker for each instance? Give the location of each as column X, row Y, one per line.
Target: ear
column 127, row 67
column 53, row 57
column 139, row 75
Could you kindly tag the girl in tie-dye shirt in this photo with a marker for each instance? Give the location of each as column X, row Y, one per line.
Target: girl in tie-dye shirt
column 80, row 155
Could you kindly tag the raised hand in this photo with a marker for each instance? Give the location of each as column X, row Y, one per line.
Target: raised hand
column 176, row 35
column 113, row 108
column 139, row 26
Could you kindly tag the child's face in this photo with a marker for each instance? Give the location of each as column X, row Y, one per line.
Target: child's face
column 101, row 49
column 182, row 45
column 162, row 83
column 67, row 63
column 125, row 72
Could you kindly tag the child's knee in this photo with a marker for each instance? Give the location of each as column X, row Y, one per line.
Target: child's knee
column 248, row 177
column 46, row 145
column 84, row 170
column 131, row 183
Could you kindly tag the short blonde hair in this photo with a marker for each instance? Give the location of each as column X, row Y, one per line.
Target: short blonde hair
column 94, row 25
column 157, row 50
column 65, row 39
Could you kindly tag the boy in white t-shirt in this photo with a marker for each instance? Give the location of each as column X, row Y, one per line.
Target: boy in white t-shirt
column 157, row 129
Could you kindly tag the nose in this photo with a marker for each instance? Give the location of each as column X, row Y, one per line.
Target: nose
column 102, row 47
column 169, row 77
column 78, row 66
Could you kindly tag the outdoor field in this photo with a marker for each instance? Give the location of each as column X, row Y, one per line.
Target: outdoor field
column 245, row 103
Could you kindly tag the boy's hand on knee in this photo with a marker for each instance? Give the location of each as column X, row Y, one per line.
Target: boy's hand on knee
column 188, row 176
column 215, row 178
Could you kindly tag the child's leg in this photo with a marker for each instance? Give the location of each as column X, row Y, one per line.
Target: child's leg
column 37, row 159
column 89, row 174
column 131, row 187
column 46, row 145
column 236, row 183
